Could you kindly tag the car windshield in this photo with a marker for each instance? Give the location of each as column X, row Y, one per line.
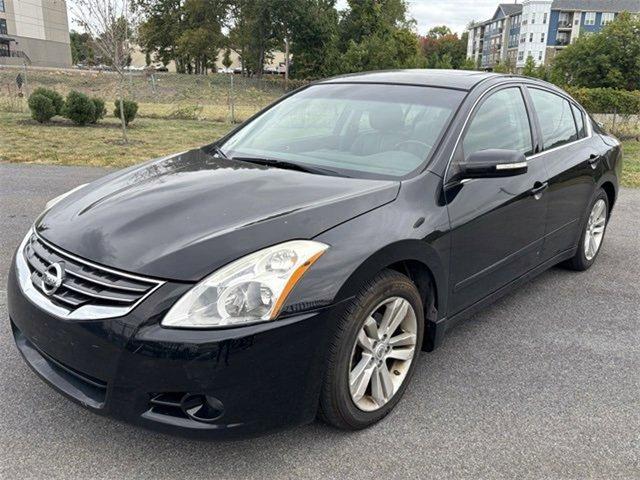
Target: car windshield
column 359, row 130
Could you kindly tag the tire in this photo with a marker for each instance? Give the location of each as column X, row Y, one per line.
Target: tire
column 583, row 259
column 389, row 295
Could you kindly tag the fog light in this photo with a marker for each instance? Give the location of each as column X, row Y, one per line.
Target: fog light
column 202, row 408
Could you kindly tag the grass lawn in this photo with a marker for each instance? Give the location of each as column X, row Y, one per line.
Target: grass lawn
column 62, row 143
column 631, row 160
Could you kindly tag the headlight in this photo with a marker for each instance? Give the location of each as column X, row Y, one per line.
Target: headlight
column 55, row 200
column 252, row 289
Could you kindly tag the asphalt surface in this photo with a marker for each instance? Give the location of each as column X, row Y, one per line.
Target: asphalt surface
column 543, row 384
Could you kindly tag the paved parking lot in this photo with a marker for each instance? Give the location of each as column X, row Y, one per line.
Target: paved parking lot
column 543, row 384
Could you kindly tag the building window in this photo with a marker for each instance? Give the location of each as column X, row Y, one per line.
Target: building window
column 533, row 18
column 607, row 17
column 542, row 37
column 2, row 9
column 523, row 38
column 531, row 37
column 544, row 18
column 3, row 26
column 540, row 55
column 520, row 55
column 590, row 18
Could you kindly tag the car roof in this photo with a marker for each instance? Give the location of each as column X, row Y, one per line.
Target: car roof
column 458, row 79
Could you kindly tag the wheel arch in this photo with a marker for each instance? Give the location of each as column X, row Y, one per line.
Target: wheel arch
column 415, row 259
column 609, row 188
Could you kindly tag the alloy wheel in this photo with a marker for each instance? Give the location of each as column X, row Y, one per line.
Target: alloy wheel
column 595, row 229
column 382, row 354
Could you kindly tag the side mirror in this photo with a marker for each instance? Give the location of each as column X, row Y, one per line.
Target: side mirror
column 492, row 163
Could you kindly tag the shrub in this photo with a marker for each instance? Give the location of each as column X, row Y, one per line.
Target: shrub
column 55, row 97
column 607, row 100
column 186, row 112
column 79, row 108
column 100, row 109
column 42, row 108
column 130, row 110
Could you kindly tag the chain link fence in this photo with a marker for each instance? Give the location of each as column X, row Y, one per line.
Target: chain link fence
column 214, row 97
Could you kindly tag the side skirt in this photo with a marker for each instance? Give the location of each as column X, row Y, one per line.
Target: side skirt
column 436, row 330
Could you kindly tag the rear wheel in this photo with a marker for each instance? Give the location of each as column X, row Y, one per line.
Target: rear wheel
column 592, row 234
column 373, row 354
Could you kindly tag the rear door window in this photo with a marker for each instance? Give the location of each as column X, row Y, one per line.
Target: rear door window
column 555, row 117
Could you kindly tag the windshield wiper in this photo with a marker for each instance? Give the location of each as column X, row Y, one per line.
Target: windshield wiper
column 272, row 162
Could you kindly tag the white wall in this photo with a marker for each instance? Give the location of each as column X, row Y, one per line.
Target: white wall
column 529, row 9
column 29, row 19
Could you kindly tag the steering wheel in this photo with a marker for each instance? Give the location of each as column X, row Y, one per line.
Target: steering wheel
column 415, row 143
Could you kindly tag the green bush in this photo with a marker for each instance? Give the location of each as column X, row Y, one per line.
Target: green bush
column 186, row 112
column 130, row 110
column 55, row 97
column 79, row 108
column 607, row 100
column 42, row 108
column 100, row 109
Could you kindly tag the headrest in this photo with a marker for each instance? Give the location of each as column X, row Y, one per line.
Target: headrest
column 386, row 118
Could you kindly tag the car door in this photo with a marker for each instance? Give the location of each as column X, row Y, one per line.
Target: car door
column 572, row 160
column 497, row 224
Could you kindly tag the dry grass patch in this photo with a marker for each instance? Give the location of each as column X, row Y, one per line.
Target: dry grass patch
column 62, row 143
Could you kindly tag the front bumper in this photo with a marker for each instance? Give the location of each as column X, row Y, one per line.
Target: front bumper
column 266, row 376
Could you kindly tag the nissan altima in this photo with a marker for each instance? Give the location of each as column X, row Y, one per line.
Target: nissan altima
column 297, row 267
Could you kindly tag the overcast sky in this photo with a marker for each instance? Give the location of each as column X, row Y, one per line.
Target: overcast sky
column 454, row 13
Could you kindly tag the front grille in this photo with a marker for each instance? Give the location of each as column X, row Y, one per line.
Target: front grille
column 84, row 283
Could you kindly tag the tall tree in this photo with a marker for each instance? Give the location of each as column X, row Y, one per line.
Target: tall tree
column 82, row 50
column 314, row 39
column 610, row 58
column 529, row 69
column 378, row 34
column 440, row 43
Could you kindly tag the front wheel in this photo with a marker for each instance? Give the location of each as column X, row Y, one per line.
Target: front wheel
column 592, row 234
column 374, row 352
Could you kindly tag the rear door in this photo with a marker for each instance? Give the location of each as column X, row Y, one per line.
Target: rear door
column 498, row 224
column 572, row 162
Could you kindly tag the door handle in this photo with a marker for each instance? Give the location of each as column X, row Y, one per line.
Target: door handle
column 594, row 158
column 538, row 189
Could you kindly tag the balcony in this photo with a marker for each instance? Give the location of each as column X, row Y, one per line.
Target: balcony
column 564, row 24
column 562, row 41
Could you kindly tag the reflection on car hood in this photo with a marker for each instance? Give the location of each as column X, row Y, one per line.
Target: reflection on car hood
column 184, row 216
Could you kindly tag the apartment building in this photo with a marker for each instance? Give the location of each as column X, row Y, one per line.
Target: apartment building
column 538, row 29
column 34, row 32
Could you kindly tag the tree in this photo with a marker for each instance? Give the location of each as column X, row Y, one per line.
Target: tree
column 81, row 48
column 501, row 67
column 378, row 34
column 315, row 39
column 439, row 32
column 108, row 22
column 226, row 58
column 468, row 64
column 610, row 58
column 440, row 43
column 529, row 69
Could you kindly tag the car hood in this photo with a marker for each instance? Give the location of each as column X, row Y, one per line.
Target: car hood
column 184, row 216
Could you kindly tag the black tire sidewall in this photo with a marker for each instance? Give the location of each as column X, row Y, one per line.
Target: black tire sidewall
column 392, row 285
column 580, row 260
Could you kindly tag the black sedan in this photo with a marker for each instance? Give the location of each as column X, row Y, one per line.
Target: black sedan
column 296, row 268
